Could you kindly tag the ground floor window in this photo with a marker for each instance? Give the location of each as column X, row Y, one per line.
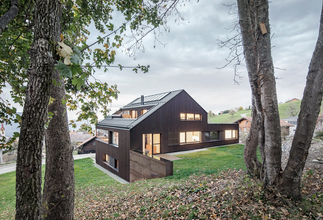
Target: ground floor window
column 190, row 136
column 151, row 144
column 113, row 163
column 211, row 135
column 231, row 134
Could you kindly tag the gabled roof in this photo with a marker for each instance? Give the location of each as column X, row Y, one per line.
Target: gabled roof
column 85, row 142
column 155, row 102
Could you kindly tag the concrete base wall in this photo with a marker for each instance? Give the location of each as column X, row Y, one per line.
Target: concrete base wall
column 144, row 167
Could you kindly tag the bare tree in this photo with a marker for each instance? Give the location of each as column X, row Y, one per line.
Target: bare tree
column 265, row 129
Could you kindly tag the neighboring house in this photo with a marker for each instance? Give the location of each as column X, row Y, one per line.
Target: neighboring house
column 293, row 121
column 78, row 137
column 245, row 123
column 292, row 100
column 153, row 125
column 87, row 146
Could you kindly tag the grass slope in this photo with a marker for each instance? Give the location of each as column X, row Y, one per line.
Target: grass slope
column 285, row 111
column 206, row 185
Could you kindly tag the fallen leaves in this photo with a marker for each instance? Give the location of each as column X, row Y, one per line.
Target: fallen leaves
column 230, row 195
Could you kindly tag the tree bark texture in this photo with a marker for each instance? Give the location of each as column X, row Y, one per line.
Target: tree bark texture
column 290, row 183
column 250, row 152
column 253, row 17
column 42, row 53
column 9, row 15
column 58, row 197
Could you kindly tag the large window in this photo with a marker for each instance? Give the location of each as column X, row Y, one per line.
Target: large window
column 113, row 163
column 190, row 137
column 103, row 135
column 231, row 134
column 190, row 117
column 115, row 138
column 151, row 144
column 211, row 135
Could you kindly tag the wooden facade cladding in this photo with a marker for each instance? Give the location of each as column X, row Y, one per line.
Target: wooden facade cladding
column 120, row 153
column 164, row 119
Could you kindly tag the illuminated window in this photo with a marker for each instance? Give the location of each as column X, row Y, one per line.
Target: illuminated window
column 103, row 135
column 115, row 138
column 151, row 144
column 133, row 114
column 143, row 111
column 190, row 136
column 182, row 138
column 190, row 117
column 231, row 134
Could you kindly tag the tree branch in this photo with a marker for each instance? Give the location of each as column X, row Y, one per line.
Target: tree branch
column 9, row 15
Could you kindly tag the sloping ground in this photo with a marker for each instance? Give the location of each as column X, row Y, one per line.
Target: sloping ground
column 229, row 195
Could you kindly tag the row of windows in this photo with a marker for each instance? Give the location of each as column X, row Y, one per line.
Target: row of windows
column 110, row 137
column 133, row 113
column 190, row 117
column 196, row 136
column 113, row 163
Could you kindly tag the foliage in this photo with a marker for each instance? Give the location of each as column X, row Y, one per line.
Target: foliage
column 86, row 93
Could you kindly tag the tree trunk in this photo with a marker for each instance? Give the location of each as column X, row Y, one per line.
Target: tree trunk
column 254, row 25
column 58, row 197
column 250, row 151
column 42, row 53
column 290, row 183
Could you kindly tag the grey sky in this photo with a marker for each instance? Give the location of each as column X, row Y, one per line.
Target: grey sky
column 190, row 57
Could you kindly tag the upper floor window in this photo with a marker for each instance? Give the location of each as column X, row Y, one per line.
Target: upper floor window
column 115, row 138
column 190, row 117
column 143, row 111
column 103, row 135
column 231, row 134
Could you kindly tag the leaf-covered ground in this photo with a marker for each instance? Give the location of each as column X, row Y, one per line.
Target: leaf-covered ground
column 228, row 195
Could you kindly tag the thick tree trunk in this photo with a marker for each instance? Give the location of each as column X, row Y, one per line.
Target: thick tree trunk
column 42, row 53
column 58, row 197
column 254, row 24
column 290, row 183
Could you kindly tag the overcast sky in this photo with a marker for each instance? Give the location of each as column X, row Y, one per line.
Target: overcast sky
column 191, row 57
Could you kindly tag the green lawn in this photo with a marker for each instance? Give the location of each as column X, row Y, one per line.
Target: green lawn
column 213, row 160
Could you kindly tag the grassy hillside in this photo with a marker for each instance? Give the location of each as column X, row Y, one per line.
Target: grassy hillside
column 206, row 185
column 286, row 110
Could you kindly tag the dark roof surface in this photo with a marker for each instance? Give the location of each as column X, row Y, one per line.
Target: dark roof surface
column 156, row 101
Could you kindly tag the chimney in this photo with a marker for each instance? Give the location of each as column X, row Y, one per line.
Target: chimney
column 142, row 100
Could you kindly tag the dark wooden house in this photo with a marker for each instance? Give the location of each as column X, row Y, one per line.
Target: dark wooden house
column 86, row 147
column 153, row 125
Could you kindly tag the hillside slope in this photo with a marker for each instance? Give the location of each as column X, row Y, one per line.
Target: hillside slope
column 286, row 110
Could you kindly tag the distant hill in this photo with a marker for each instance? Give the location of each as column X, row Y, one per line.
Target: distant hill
column 286, row 110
